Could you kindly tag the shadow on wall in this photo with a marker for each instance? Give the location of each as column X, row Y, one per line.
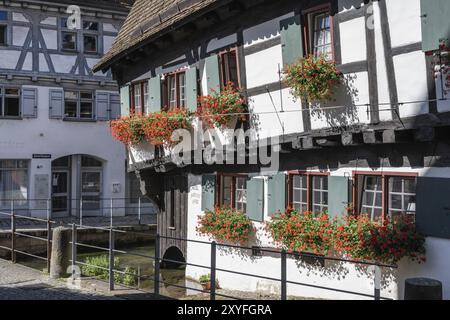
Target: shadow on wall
column 345, row 95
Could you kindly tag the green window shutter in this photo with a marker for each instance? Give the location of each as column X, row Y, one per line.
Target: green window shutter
column 338, row 195
column 291, row 39
column 56, row 104
column 433, row 207
column 276, row 194
column 435, row 23
column 102, row 110
column 125, row 101
column 29, row 102
column 255, row 199
column 208, row 191
column 154, row 89
column 114, row 106
column 212, row 73
column 191, row 89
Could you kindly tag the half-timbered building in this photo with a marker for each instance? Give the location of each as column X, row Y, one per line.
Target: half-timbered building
column 382, row 143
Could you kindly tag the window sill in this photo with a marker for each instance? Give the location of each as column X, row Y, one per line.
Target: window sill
column 79, row 120
column 11, row 118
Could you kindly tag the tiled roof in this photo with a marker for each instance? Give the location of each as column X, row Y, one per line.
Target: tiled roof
column 146, row 19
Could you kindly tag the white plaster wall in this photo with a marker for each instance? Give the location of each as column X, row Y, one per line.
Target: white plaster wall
column 43, row 66
column 353, row 40
column 264, row 31
column 9, row 59
column 19, row 17
column 109, row 27
column 215, row 44
column 404, row 21
column 28, row 62
column 107, row 43
column 410, row 75
column 347, row 107
column 51, row 21
column 263, row 67
column 50, row 38
column 19, row 34
column 63, row 63
column 21, row 139
column 265, row 120
column 340, row 276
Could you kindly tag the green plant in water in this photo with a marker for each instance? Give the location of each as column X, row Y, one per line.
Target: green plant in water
column 97, row 266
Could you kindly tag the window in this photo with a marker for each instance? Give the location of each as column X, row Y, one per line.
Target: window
column 385, row 195
column 13, row 183
column 308, row 191
column 140, row 95
column 90, row 43
column 229, row 68
column 78, row 104
column 175, row 90
column 233, row 191
column 90, row 36
column 69, row 41
column 3, row 28
column 9, row 102
column 319, row 33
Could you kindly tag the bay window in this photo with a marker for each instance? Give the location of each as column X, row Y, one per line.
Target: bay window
column 308, row 191
column 232, row 191
column 174, row 88
column 385, row 195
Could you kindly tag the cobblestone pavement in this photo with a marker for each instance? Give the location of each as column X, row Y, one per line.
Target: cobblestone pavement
column 18, row 282
column 5, row 223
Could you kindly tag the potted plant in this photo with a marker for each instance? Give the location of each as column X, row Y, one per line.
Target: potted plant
column 205, row 281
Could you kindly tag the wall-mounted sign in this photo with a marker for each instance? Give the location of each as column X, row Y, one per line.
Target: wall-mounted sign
column 42, row 156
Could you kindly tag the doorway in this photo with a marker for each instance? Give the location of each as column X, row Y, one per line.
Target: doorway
column 61, row 187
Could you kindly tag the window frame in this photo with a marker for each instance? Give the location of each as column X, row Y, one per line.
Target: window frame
column 79, row 100
column 221, row 56
column 309, row 186
column 166, row 90
column 385, row 176
column 25, row 168
column 80, row 37
column 144, row 107
column 308, row 28
column 5, row 23
column 3, row 97
column 219, row 196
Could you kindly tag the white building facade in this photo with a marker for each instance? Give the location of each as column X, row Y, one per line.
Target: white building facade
column 56, row 152
column 380, row 144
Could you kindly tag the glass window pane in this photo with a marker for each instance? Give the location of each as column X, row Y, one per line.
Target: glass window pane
column 90, row 25
column 85, row 95
column 69, row 41
column 90, row 162
column 73, row 95
column 12, row 107
column 70, row 109
column 90, row 182
column 12, row 91
column 64, row 22
column 3, row 15
column 182, row 87
column 395, row 202
column 3, row 35
column 86, row 110
column 13, row 185
column 90, row 43
column 410, row 185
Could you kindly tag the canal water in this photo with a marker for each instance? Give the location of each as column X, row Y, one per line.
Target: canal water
column 143, row 264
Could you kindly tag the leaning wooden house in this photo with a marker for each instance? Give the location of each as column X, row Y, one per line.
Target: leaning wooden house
column 380, row 145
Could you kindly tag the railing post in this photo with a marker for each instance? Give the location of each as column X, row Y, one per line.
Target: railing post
column 74, row 250
column 212, row 292
column 13, row 233
column 157, row 264
column 111, row 213
column 49, row 237
column 139, row 210
column 81, row 211
column 283, row 275
column 111, row 259
column 377, row 283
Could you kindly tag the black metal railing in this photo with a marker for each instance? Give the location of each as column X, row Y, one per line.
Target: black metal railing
column 212, row 267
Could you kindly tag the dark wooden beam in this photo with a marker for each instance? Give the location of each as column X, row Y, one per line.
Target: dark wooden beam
column 351, row 138
column 372, row 137
column 424, row 134
column 330, row 141
column 396, row 136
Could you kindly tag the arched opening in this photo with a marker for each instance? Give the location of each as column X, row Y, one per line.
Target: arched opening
column 77, row 184
column 175, row 255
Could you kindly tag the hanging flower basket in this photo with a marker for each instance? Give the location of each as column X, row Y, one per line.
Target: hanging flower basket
column 219, row 109
column 312, row 77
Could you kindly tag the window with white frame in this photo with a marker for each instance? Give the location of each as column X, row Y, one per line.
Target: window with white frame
column 146, row 96
column 3, row 28
column 319, row 33
column 90, row 37
column 9, row 102
column 241, row 194
column 175, row 90
column 232, row 191
column 300, row 193
column 138, row 98
column 13, row 183
column 372, row 197
column 78, row 104
column 402, row 196
column 320, row 193
column 89, row 34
